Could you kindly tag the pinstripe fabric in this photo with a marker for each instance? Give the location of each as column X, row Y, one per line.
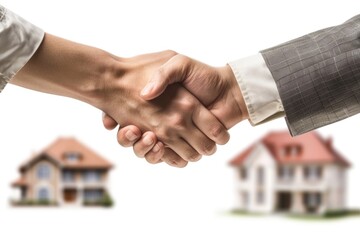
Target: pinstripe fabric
column 318, row 76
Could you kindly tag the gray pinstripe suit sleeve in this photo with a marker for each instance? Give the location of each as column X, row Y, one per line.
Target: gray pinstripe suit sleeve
column 318, row 76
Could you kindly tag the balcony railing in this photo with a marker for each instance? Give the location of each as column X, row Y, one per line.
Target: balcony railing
column 82, row 184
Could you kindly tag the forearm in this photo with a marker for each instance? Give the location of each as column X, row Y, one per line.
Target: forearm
column 66, row 68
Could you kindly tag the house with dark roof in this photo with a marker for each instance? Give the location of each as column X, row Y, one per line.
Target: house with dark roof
column 279, row 173
column 64, row 173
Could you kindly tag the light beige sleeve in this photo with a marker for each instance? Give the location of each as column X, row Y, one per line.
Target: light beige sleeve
column 258, row 88
column 19, row 40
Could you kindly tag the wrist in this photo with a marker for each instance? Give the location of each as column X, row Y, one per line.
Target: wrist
column 240, row 110
column 106, row 73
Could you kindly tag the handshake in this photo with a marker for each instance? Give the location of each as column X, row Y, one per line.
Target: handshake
column 174, row 109
column 171, row 108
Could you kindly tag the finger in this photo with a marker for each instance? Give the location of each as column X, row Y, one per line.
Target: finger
column 145, row 144
column 157, row 152
column 200, row 142
column 212, row 128
column 108, row 122
column 127, row 136
column 173, row 159
column 184, row 150
column 170, row 72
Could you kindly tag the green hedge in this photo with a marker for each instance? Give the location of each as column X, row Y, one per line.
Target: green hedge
column 106, row 201
column 33, row 203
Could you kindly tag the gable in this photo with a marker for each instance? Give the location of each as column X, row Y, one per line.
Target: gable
column 309, row 148
column 36, row 160
column 62, row 152
column 259, row 156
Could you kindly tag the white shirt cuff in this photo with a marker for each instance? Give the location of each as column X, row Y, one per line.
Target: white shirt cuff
column 258, row 89
column 19, row 40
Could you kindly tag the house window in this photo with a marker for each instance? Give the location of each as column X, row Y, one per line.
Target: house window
column 68, row 176
column 312, row 199
column 260, row 197
column 290, row 151
column 312, row 173
column 92, row 195
column 243, row 173
column 43, row 171
column 245, row 199
column 260, row 176
column 72, row 156
column 92, row 176
column 43, row 194
column 286, row 173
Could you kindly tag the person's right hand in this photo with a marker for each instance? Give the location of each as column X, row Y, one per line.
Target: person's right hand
column 216, row 88
column 180, row 121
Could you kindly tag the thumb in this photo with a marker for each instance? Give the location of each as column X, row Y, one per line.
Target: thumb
column 172, row 71
column 108, row 122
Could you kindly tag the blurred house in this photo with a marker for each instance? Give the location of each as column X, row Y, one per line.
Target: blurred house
column 64, row 173
column 279, row 173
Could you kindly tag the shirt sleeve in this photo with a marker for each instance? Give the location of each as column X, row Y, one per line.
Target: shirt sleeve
column 19, row 40
column 258, row 89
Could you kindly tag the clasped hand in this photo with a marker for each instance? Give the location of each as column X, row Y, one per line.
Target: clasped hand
column 178, row 123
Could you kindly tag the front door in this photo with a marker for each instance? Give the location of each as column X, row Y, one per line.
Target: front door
column 284, row 200
column 312, row 201
column 70, row 195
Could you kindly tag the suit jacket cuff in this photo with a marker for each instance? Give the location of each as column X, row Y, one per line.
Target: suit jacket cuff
column 19, row 40
column 258, row 89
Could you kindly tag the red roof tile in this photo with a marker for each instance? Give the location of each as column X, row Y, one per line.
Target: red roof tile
column 306, row 148
column 59, row 149
column 21, row 182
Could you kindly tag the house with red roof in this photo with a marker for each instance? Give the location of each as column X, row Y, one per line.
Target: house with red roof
column 64, row 173
column 301, row 175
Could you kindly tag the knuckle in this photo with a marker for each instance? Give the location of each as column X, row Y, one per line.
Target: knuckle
column 139, row 153
column 217, row 131
column 164, row 134
column 177, row 163
column 209, row 148
column 121, row 140
column 188, row 102
column 183, row 59
column 170, row 52
column 193, row 157
column 152, row 159
column 177, row 121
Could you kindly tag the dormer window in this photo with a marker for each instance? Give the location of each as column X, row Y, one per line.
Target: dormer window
column 72, row 156
column 291, row 151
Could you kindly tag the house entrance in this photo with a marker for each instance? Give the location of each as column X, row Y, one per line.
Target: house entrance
column 69, row 195
column 312, row 201
column 284, row 200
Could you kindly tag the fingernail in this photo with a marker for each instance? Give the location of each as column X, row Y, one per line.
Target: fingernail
column 156, row 148
column 147, row 89
column 148, row 140
column 130, row 135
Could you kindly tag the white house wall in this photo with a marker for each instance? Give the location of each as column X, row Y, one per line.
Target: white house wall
column 258, row 158
column 50, row 184
column 336, row 195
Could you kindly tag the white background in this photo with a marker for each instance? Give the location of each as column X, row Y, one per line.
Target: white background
column 156, row 201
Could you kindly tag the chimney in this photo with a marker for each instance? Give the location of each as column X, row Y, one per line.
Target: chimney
column 329, row 142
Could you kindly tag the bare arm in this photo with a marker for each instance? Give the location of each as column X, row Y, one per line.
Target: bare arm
column 68, row 69
column 113, row 84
